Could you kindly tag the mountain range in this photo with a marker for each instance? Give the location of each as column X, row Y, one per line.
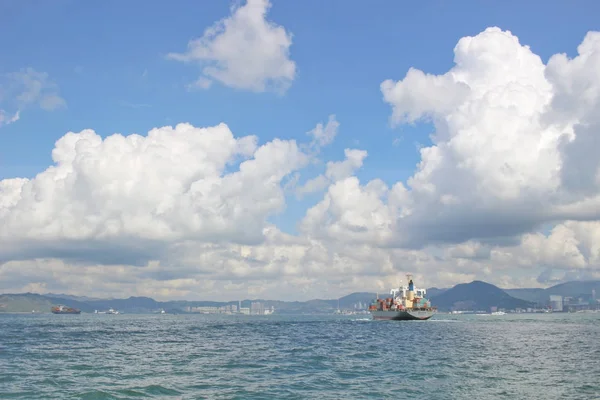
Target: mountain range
column 476, row 295
column 574, row 289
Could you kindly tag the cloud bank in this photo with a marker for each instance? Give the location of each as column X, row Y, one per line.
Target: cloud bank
column 508, row 192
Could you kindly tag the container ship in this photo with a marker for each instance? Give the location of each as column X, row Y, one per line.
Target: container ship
column 406, row 303
column 65, row 310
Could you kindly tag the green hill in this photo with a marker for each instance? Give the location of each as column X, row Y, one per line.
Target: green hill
column 537, row 296
column 477, row 296
column 573, row 289
column 26, row 302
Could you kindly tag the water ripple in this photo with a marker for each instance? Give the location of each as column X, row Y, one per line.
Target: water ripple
column 218, row 357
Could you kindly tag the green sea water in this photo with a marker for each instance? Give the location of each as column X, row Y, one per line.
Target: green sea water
column 521, row 356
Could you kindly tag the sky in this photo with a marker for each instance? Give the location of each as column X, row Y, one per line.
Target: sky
column 296, row 150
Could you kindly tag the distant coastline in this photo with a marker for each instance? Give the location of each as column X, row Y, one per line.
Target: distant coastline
column 466, row 297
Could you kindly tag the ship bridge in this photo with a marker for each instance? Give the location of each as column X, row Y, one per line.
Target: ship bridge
column 402, row 291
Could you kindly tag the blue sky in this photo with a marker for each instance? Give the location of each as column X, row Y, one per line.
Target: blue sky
column 109, row 62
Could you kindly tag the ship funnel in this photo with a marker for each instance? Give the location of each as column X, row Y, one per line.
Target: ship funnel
column 411, row 287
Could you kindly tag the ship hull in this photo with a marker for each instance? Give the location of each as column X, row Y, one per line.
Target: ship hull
column 404, row 315
column 66, row 312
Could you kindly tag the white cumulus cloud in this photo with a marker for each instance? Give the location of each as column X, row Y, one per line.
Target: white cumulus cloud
column 514, row 149
column 335, row 171
column 173, row 184
column 500, row 155
column 243, row 51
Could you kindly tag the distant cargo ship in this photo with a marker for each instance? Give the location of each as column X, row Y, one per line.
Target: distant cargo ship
column 406, row 303
column 65, row 310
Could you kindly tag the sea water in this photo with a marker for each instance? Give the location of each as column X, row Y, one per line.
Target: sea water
column 87, row 356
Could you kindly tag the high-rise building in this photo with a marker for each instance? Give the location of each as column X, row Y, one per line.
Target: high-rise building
column 556, row 302
column 257, row 308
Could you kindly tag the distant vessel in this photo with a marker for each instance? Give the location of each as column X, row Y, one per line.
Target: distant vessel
column 498, row 313
column 110, row 311
column 406, row 303
column 65, row 310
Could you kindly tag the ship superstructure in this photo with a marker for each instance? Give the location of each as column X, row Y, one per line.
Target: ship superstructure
column 405, row 303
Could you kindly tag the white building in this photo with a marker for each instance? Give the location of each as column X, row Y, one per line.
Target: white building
column 556, row 302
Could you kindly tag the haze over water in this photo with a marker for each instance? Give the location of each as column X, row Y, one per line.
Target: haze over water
column 550, row 356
